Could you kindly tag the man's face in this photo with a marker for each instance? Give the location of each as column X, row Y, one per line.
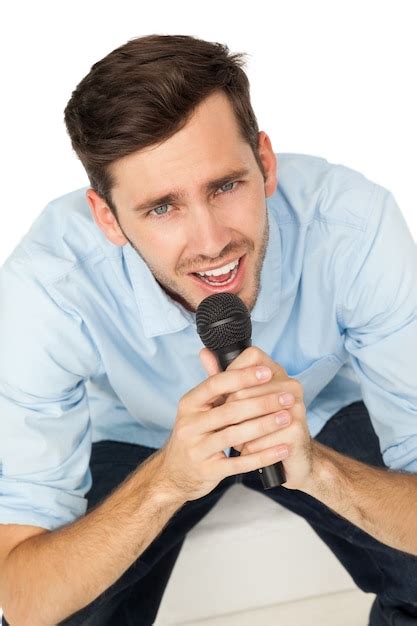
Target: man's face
column 204, row 227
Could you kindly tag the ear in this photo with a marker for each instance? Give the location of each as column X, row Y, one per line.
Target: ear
column 269, row 162
column 104, row 218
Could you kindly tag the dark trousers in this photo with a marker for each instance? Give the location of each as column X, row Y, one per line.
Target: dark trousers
column 134, row 599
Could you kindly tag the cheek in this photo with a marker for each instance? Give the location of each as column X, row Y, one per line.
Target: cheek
column 247, row 219
column 163, row 251
column 253, row 227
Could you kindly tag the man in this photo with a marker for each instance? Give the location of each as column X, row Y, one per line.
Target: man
column 118, row 432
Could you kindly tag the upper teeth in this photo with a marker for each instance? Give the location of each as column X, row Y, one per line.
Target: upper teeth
column 220, row 270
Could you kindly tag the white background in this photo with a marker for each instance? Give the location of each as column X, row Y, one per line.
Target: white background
column 331, row 78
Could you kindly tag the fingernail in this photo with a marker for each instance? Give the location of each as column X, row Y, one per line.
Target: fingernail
column 286, row 398
column 282, row 419
column 262, row 373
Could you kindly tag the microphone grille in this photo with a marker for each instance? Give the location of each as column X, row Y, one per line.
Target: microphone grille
column 223, row 319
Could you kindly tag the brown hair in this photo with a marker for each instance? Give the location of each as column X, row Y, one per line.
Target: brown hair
column 143, row 92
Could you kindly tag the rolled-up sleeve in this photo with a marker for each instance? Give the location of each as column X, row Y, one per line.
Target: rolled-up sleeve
column 45, row 429
column 377, row 312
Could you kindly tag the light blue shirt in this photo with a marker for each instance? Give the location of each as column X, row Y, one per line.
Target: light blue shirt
column 92, row 348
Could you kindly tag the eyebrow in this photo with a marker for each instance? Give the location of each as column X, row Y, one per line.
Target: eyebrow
column 178, row 194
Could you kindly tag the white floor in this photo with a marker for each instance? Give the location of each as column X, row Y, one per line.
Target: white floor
column 347, row 608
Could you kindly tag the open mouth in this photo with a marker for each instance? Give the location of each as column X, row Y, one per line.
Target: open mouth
column 230, row 279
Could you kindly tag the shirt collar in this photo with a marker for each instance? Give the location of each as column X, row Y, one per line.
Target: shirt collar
column 161, row 315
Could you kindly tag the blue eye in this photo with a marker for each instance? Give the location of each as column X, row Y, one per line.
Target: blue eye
column 223, row 186
column 154, row 212
column 160, row 207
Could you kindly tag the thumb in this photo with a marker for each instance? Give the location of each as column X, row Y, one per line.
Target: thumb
column 209, row 362
column 211, row 366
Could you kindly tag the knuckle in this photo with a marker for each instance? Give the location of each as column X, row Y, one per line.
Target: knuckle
column 241, row 394
column 283, row 371
column 298, row 408
column 299, row 428
column 270, row 404
column 252, row 445
column 249, row 447
column 212, row 383
column 244, row 378
column 254, row 353
column 295, row 387
column 265, row 426
column 228, row 413
column 230, row 436
column 181, row 430
column 248, row 375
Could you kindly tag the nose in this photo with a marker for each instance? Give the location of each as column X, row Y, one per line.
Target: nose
column 207, row 233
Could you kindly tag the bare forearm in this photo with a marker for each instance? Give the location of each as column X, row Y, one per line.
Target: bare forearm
column 381, row 502
column 51, row 576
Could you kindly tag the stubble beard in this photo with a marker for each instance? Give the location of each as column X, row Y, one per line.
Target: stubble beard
column 181, row 296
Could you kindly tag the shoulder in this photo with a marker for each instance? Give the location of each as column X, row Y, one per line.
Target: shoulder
column 312, row 188
column 62, row 237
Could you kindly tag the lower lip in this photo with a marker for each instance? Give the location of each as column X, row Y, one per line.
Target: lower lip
column 232, row 287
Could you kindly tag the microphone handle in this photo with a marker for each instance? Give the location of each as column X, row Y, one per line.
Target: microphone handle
column 273, row 475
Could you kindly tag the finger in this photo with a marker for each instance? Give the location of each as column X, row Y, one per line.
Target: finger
column 206, row 393
column 251, row 356
column 287, row 386
column 250, row 462
column 209, row 362
column 273, row 439
column 255, row 356
column 211, row 366
column 233, row 413
column 248, row 431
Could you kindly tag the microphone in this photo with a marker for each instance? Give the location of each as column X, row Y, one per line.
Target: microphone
column 224, row 327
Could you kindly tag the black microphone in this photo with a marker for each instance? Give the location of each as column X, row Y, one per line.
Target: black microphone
column 224, row 327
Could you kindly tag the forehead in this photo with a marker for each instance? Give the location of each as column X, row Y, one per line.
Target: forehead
column 206, row 147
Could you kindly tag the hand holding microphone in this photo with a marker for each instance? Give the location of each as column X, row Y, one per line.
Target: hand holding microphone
column 224, row 326
column 235, row 408
column 193, row 462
